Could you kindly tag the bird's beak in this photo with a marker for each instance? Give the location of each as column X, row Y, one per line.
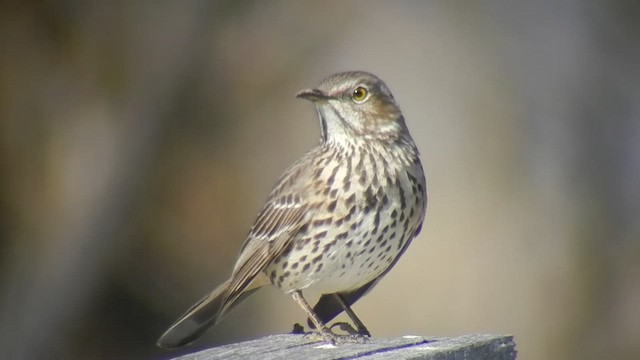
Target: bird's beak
column 312, row 95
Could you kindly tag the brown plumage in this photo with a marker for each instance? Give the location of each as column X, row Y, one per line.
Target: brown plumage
column 338, row 219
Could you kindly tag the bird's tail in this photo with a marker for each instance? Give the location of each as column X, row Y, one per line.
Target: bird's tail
column 203, row 315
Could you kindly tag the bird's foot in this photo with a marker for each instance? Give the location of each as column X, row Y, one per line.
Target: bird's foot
column 346, row 327
column 325, row 335
column 353, row 335
column 328, row 335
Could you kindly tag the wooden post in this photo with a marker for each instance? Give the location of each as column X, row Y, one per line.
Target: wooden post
column 290, row 347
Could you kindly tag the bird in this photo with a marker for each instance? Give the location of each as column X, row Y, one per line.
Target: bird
column 338, row 219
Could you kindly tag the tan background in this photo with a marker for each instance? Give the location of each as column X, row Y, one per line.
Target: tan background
column 139, row 139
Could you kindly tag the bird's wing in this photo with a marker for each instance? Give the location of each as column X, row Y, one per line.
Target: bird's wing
column 275, row 227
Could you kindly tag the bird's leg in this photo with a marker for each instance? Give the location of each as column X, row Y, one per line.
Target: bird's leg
column 327, row 335
column 354, row 335
column 361, row 329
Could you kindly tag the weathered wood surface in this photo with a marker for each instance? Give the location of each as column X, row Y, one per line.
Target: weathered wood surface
column 290, row 347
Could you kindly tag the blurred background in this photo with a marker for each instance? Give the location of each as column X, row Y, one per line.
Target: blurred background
column 139, row 139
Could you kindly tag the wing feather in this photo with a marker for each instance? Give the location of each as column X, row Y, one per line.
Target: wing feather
column 275, row 227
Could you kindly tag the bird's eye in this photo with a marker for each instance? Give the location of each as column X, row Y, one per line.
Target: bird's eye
column 359, row 94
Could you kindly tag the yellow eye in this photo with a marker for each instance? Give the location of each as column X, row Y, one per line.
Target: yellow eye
column 359, row 94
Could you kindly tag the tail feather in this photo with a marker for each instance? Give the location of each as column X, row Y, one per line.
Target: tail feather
column 204, row 314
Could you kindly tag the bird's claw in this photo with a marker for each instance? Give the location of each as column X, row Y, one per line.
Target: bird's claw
column 352, row 336
column 344, row 326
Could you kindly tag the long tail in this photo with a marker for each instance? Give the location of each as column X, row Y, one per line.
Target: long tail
column 204, row 314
